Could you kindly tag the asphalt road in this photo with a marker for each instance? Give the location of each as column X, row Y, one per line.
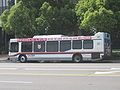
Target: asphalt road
column 59, row 76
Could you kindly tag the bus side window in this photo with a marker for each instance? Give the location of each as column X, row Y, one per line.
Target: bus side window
column 39, row 46
column 52, row 46
column 77, row 44
column 88, row 44
column 26, row 47
column 65, row 45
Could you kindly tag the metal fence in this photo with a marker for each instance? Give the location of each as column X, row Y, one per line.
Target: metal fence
column 3, row 6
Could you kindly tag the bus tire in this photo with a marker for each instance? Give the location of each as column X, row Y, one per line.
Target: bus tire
column 22, row 58
column 77, row 58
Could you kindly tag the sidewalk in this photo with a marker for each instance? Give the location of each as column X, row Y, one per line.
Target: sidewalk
column 3, row 57
column 111, row 61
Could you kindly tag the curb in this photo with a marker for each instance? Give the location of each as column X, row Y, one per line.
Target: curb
column 3, row 59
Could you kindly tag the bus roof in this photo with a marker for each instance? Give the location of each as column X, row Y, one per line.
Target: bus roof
column 47, row 36
column 98, row 35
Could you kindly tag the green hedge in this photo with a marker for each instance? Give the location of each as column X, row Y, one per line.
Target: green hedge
column 115, row 55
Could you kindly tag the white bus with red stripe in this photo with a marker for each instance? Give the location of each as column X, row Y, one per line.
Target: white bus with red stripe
column 60, row 47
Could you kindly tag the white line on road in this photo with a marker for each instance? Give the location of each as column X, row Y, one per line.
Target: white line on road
column 36, row 69
column 49, row 74
column 115, row 68
column 52, row 66
column 103, row 72
column 110, row 72
column 8, row 68
column 17, row 82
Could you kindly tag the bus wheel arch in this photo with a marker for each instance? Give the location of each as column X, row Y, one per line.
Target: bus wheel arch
column 22, row 58
column 77, row 57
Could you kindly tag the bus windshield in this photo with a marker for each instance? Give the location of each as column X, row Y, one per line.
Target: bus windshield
column 14, row 47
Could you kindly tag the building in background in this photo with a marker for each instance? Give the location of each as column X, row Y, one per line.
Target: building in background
column 3, row 5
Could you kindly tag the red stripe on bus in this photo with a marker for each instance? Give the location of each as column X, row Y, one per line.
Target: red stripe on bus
column 55, row 39
column 57, row 52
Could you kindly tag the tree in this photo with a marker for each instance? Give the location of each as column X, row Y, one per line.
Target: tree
column 4, row 19
column 114, row 5
column 43, row 19
column 101, row 20
column 56, row 21
column 20, row 20
column 28, row 18
column 66, row 21
column 93, row 16
column 99, row 15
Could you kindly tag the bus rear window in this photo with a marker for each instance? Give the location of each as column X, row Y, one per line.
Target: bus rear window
column 14, row 47
column 88, row 44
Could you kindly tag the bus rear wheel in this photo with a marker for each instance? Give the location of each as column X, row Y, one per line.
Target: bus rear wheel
column 77, row 58
column 22, row 58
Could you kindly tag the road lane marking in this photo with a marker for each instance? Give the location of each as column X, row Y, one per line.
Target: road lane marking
column 55, row 65
column 109, row 72
column 75, row 69
column 53, row 69
column 16, row 82
column 115, row 68
column 8, row 68
column 56, row 74
column 103, row 72
column 52, row 66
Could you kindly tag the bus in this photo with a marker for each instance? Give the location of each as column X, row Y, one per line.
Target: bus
column 61, row 47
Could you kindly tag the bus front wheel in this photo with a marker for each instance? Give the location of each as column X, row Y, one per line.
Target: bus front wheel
column 77, row 58
column 22, row 58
